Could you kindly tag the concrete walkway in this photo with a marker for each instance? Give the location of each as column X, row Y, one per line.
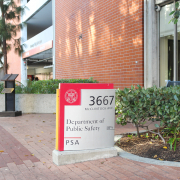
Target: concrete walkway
column 27, row 142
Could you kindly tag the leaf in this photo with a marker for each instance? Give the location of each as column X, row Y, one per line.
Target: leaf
column 160, row 112
column 179, row 108
column 157, row 102
column 165, row 147
column 161, row 123
column 156, row 125
column 32, row 154
column 161, row 159
column 171, row 140
column 176, row 98
column 39, row 141
column 175, row 21
column 170, row 21
column 42, row 132
column 171, row 13
column 150, row 143
column 155, row 156
column 177, row 4
column 1, row 151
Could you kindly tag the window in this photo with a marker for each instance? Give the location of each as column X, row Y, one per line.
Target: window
column 169, row 46
column 166, row 44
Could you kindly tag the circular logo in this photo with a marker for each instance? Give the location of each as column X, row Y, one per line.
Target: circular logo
column 71, row 96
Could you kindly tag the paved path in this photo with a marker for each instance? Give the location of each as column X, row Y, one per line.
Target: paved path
column 26, row 145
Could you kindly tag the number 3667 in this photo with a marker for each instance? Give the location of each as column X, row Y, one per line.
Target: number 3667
column 101, row 100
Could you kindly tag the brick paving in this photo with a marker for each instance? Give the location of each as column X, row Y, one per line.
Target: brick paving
column 35, row 134
column 12, row 150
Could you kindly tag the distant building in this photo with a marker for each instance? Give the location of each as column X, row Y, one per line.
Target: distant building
column 125, row 42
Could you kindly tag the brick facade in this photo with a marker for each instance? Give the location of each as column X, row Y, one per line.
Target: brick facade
column 100, row 39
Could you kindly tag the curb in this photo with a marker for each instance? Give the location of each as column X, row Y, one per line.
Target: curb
column 133, row 157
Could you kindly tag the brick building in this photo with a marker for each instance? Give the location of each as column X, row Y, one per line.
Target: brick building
column 125, row 42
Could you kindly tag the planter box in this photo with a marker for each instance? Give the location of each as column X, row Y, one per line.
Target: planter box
column 32, row 103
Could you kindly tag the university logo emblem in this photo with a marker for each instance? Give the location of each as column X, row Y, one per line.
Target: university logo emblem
column 71, row 96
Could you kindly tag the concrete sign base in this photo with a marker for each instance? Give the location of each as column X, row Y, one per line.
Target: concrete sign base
column 69, row 157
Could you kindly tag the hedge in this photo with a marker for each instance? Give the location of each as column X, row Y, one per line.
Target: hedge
column 139, row 105
column 45, row 86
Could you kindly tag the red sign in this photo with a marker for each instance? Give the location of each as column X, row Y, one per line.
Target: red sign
column 70, row 95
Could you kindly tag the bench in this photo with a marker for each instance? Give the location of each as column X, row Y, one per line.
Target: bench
column 172, row 83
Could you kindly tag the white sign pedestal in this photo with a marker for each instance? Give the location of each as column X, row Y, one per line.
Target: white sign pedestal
column 70, row 157
column 85, row 123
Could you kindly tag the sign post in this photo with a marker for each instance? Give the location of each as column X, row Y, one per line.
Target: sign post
column 9, row 96
column 85, row 121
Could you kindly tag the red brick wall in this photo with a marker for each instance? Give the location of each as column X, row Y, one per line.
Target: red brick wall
column 112, row 41
column 13, row 59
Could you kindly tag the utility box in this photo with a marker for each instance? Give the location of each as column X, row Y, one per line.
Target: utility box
column 85, row 122
column 9, row 92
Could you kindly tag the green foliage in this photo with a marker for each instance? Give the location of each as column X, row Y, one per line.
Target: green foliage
column 46, row 86
column 1, row 87
column 156, row 137
column 137, row 105
column 171, row 113
column 9, row 26
column 175, row 14
column 130, row 136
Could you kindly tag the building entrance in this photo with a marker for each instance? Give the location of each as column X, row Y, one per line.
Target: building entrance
column 40, row 66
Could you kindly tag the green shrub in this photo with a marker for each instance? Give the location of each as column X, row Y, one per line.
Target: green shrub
column 137, row 105
column 46, row 86
column 1, row 86
column 168, row 108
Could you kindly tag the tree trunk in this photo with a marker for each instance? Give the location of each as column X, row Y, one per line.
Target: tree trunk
column 5, row 56
column 137, row 128
column 4, row 49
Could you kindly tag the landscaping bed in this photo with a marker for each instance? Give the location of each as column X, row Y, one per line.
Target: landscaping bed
column 149, row 146
column 139, row 106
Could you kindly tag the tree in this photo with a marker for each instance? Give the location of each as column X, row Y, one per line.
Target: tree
column 10, row 14
column 175, row 14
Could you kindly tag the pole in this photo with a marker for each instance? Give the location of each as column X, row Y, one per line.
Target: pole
column 175, row 64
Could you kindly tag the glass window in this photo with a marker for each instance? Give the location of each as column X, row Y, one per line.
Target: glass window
column 166, row 44
column 178, row 37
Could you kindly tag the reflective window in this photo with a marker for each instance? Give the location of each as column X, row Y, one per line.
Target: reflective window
column 166, row 44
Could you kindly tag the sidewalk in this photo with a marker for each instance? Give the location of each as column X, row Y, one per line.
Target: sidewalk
column 27, row 142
